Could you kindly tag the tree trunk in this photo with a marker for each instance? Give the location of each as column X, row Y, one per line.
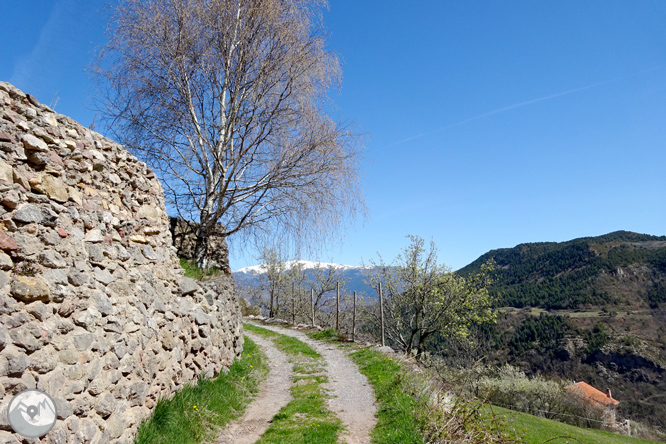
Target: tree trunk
column 201, row 250
column 271, row 311
column 422, row 341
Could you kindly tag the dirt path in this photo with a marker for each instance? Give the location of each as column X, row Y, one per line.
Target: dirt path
column 352, row 398
column 273, row 395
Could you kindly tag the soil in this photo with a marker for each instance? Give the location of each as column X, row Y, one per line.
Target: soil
column 273, row 395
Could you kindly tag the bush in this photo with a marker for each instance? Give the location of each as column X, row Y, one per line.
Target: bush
column 194, row 272
column 509, row 387
column 248, row 309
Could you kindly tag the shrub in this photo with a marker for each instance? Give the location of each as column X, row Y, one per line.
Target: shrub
column 248, row 309
column 194, row 272
column 509, row 387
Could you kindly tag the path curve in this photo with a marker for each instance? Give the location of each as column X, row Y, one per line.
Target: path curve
column 273, row 395
column 352, row 398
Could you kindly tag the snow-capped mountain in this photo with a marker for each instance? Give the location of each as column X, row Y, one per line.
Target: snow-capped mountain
column 354, row 274
column 254, row 269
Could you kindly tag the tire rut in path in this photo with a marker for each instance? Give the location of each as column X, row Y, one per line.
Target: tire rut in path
column 273, row 395
column 352, row 398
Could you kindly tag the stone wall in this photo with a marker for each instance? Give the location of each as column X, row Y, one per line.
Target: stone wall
column 94, row 308
column 184, row 236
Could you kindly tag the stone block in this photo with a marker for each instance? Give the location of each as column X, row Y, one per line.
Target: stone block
column 55, row 188
column 6, row 173
column 77, row 278
column 10, row 199
column 115, row 426
column 188, row 286
column 100, row 384
column 29, row 213
column 105, row 405
column 22, row 338
column 94, row 235
column 29, row 289
column 44, row 360
column 69, row 356
column 40, row 310
column 102, row 303
column 64, row 408
column 51, row 259
column 17, row 362
column 88, row 319
column 7, row 243
column 32, row 143
column 103, row 276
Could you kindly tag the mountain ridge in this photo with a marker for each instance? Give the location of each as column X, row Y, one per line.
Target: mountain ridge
column 579, row 273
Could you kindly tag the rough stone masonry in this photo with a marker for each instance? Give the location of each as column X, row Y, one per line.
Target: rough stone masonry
column 94, row 308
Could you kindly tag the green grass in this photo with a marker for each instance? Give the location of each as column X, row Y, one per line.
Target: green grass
column 539, row 430
column 285, row 343
column 261, row 331
column 194, row 272
column 305, row 420
column 293, row 346
column 396, row 416
column 330, row 335
column 197, row 412
column 396, row 422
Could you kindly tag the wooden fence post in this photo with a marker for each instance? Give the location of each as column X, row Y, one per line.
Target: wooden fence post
column 293, row 305
column 354, row 319
column 312, row 305
column 337, row 308
column 381, row 312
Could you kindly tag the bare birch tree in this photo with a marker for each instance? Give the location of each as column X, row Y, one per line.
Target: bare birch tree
column 324, row 280
column 274, row 279
column 225, row 100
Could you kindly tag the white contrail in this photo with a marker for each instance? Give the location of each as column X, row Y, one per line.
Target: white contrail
column 521, row 104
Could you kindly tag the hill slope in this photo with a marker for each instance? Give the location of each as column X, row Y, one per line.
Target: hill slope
column 620, row 268
column 591, row 309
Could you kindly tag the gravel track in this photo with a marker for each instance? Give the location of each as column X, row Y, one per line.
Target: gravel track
column 351, row 396
column 273, row 395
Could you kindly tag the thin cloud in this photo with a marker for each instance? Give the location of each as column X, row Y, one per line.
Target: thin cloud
column 521, row 104
column 47, row 49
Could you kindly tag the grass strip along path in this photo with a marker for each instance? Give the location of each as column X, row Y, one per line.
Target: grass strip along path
column 197, row 412
column 306, row 419
column 274, row 394
column 350, row 395
column 396, row 422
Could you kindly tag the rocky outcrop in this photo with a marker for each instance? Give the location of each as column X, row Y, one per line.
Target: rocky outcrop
column 94, row 308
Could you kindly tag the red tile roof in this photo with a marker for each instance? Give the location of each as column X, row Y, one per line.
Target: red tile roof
column 586, row 390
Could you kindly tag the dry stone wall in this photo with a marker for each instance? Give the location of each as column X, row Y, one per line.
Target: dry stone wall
column 94, row 308
column 184, row 236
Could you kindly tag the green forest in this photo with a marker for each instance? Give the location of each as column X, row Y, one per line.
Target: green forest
column 565, row 275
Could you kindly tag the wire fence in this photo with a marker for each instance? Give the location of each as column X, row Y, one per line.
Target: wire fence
column 621, row 425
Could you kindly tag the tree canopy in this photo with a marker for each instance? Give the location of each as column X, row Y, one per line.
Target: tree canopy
column 227, row 101
column 424, row 297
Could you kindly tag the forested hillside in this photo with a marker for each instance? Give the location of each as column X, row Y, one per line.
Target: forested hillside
column 617, row 269
column 591, row 309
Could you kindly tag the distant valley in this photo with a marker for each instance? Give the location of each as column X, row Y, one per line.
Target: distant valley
column 590, row 309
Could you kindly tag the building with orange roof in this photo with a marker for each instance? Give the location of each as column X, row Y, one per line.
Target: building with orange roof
column 597, row 398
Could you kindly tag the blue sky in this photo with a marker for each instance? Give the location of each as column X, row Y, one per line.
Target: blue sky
column 487, row 124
